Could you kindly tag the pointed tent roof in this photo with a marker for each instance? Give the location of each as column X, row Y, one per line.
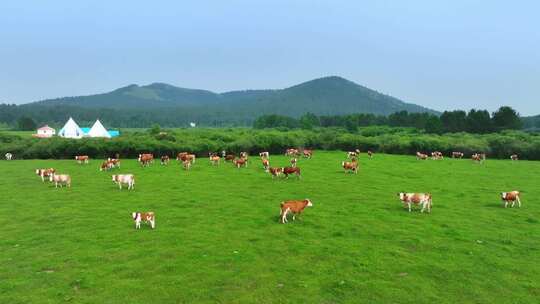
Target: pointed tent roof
column 98, row 130
column 71, row 130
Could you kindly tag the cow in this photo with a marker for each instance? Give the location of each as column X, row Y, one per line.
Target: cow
column 108, row 165
column 128, row 179
column 114, row 161
column 8, row 156
column 292, row 152
column 293, row 162
column 223, row 153
column 60, row 179
column 186, row 164
column 82, row 159
column 181, row 156
column 421, row 156
column 350, row 166
column 264, row 155
column 230, row 157
column 275, row 172
column 266, row 164
column 308, row 153
column 353, row 154
column 43, row 173
column 514, row 157
column 478, row 157
column 211, row 154
column 457, row 155
column 511, row 197
column 370, row 154
column 291, row 170
column 184, row 156
column 244, row 155
column 146, row 159
column 436, row 155
column 420, row 199
column 241, row 162
column 294, row 207
column 165, row 160
column 147, row 217
column 214, row 160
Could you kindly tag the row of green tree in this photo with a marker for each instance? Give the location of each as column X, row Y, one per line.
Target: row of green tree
column 475, row 121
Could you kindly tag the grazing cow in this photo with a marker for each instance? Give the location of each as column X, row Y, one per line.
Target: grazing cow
column 241, row 162
column 244, row 155
column 60, row 179
column 293, row 162
column 514, row 157
column 294, row 207
column 350, row 166
column 291, row 170
column 457, row 155
column 128, row 179
column 9, row 156
column 308, row 153
column 43, row 173
column 370, row 154
column 186, row 164
column 109, row 164
column 421, row 156
column 264, row 155
column 266, row 164
column 275, row 172
column 292, row 152
column 478, row 157
column 165, row 160
column 436, row 155
column 421, row 199
column 511, row 197
column 147, row 217
column 146, row 159
column 353, row 154
column 114, row 161
column 214, row 160
column 82, row 159
column 229, row 157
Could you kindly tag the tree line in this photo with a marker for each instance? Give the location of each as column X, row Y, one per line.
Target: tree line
column 474, row 121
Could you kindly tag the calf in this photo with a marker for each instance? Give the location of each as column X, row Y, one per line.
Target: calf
column 514, row 157
column 128, row 179
column 43, row 173
column 457, row 155
column 511, row 197
column 420, row 199
column 292, row 152
column 291, row 170
column 165, row 160
column 478, row 157
column 266, row 164
column 293, row 162
column 214, row 160
column 114, row 161
column 308, row 153
column 147, row 217
column 350, row 166
column 241, row 162
column 106, row 165
column 244, row 155
column 436, row 155
column 276, row 172
column 353, row 154
column 294, row 207
column 421, row 156
column 186, row 164
column 8, row 156
column 82, row 159
column 264, row 154
column 60, row 179
column 370, row 154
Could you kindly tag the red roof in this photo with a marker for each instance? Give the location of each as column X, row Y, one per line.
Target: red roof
column 45, row 127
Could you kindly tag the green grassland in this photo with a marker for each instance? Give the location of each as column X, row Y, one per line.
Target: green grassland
column 217, row 237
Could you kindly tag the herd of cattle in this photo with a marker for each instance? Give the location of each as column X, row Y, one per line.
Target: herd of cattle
column 294, row 207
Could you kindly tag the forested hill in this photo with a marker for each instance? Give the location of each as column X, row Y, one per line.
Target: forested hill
column 329, row 95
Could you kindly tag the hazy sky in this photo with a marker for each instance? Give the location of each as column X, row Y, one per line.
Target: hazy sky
column 439, row 54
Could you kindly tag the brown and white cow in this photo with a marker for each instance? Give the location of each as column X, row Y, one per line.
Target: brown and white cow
column 109, row 164
column 293, row 162
column 353, row 154
column 147, row 217
column 292, row 152
column 419, row 199
column 291, row 170
column 478, row 157
column 114, row 161
column 457, row 155
column 421, row 156
column 370, row 154
column 214, row 160
column 351, row 166
column 60, row 179
column 308, row 153
column 275, row 172
column 186, row 164
column 294, row 207
column 244, row 155
column 165, row 160
column 511, row 197
column 241, row 162
column 437, row 155
column 266, row 164
column 43, row 173
column 145, row 159
column 82, row 159
column 230, row 157
column 181, row 156
column 127, row 179
column 264, row 155
column 514, row 157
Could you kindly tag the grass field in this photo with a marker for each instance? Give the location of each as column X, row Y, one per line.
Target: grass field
column 217, row 237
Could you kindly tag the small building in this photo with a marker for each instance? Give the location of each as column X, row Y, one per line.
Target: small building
column 45, row 132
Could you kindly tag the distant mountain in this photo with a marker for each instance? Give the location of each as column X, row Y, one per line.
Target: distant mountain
column 323, row 96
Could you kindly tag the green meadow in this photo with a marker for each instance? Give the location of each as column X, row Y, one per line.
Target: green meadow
column 218, row 240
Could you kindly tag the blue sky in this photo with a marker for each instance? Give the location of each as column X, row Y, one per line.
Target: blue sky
column 440, row 54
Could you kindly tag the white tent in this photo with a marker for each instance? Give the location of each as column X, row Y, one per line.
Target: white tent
column 71, row 130
column 98, row 130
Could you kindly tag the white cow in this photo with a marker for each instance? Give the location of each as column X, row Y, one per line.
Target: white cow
column 9, row 156
column 148, row 217
column 60, row 179
column 128, row 179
